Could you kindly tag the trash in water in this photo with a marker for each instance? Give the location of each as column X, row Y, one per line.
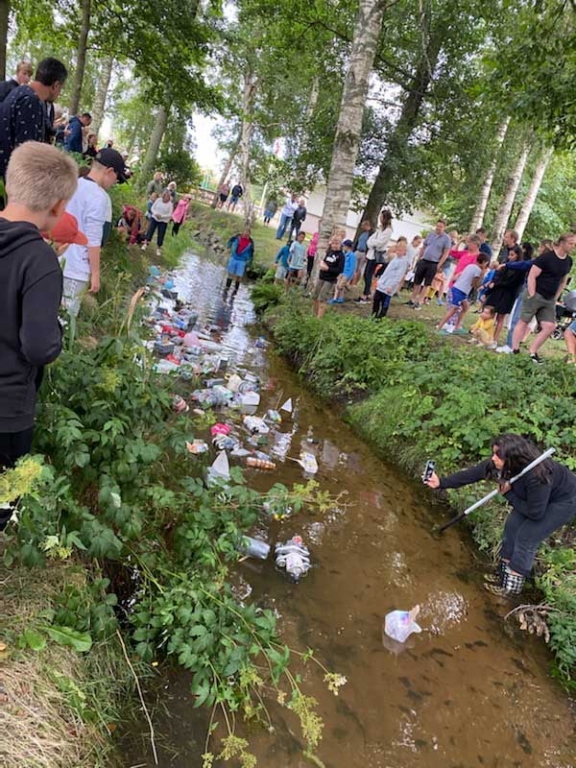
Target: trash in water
column 164, row 347
column 253, row 461
column 399, row 625
column 261, row 342
column 197, row 446
column 191, row 340
column 308, row 462
column 240, row 453
column 287, row 406
column 234, row 382
column 256, row 425
column 179, row 405
column 274, row 416
column 220, row 429
column 293, row 557
column 252, row 547
column 250, row 399
column 225, row 442
column 220, row 469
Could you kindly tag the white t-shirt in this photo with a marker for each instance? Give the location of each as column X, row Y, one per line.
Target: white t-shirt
column 465, row 278
column 91, row 206
column 162, row 211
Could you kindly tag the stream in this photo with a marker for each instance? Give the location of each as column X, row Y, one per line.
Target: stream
column 469, row 691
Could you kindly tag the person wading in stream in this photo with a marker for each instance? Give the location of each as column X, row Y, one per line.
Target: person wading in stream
column 542, row 501
column 241, row 254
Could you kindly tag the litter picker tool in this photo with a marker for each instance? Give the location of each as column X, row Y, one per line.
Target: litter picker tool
column 495, row 492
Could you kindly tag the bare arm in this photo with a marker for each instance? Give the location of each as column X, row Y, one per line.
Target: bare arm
column 94, row 259
column 443, row 258
column 532, row 275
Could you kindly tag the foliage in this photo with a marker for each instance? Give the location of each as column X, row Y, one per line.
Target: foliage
column 427, row 399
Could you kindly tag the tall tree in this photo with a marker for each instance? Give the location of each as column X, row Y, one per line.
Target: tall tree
column 535, row 184
column 86, row 8
column 158, row 132
column 99, row 103
column 4, row 18
column 227, row 167
column 478, row 217
column 341, row 176
column 507, row 202
column 249, row 95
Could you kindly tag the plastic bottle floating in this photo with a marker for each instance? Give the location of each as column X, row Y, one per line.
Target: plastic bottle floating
column 293, row 557
column 308, row 463
column 256, row 425
column 179, row 405
column 252, row 461
column 251, row 547
column 196, row 447
column 399, row 625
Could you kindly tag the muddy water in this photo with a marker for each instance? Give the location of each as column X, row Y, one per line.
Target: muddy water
column 466, row 692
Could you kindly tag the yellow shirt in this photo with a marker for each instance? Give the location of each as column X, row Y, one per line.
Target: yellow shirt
column 488, row 325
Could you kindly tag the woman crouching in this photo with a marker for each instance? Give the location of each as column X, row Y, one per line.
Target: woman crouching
column 542, row 500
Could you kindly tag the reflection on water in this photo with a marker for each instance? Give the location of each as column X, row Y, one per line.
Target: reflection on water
column 462, row 694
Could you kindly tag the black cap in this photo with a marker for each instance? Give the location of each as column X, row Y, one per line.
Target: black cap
column 111, row 158
column 348, row 243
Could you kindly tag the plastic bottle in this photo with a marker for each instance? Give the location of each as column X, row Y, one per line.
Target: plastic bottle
column 252, row 547
column 252, row 461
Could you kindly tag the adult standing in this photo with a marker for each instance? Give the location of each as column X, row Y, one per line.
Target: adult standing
column 23, row 115
column 235, row 194
column 73, row 140
column 546, row 281
column 298, row 218
column 510, row 240
column 377, row 244
column 286, row 215
column 160, row 215
column 91, row 150
column 433, row 254
column 156, row 185
column 23, row 74
column 362, row 250
column 269, row 211
column 223, row 191
column 504, row 289
column 542, row 501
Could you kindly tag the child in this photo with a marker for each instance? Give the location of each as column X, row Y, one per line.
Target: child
column 180, row 213
column 483, row 329
column 330, row 267
column 391, row 279
column 241, row 254
column 282, row 260
column 92, row 207
column 40, row 180
column 296, row 260
column 484, row 285
column 345, row 279
column 151, row 200
column 160, row 215
column 362, row 250
column 470, row 277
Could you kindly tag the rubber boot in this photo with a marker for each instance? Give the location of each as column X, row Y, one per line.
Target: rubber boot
column 512, row 584
column 498, row 575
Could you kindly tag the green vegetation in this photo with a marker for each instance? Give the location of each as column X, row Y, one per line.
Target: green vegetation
column 414, row 396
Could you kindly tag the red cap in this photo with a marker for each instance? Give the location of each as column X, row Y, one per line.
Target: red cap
column 66, row 231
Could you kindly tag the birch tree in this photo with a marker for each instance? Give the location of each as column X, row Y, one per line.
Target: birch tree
column 535, row 184
column 99, row 104
column 341, row 176
column 227, row 167
column 4, row 17
column 153, row 146
column 507, row 202
column 81, row 56
column 249, row 94
column 478, row 217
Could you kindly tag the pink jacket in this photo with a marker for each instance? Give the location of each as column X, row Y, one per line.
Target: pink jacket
column 465, row 258
column 313, row 247
column 181, row 211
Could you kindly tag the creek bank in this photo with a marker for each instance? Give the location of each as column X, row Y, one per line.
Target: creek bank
column 413, row 398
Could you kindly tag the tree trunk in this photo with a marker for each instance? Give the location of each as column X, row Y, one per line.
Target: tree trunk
column 4, row 18
column 153, row 147
column 250, row 88
column 393, row 161
column 99, row 105
column 340, row 179
column 81, row 57
column 227, row 166
column 505, row 209
column 478, row 217
column 530, row 199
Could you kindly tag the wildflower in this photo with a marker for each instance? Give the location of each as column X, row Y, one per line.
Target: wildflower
column 334, row 681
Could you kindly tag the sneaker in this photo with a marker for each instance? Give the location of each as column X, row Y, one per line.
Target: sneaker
column 364, row 300
column 460, row 332
column 409, row 303
column 332, row 301
column 536, row 359
column 360, row 300
column 339, row 301
column 449, row 329
column 158, row 252
column 416, row 307
column 504, row 350
column 440, row 302
column 145, row 246
column 492, row 345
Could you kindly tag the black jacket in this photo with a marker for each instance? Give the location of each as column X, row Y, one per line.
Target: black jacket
column 528, row 495
column 335, row 261
column 30, row 335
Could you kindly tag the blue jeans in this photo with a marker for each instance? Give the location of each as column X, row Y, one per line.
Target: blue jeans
column 284, row 221
column 514, row 320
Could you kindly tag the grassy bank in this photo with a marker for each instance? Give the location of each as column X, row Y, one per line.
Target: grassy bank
column 415, row 396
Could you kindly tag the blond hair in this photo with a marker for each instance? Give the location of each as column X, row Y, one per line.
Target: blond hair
column 39, row 176
column 25, row 67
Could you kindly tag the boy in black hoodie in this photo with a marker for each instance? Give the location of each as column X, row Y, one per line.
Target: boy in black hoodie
column 40, row 180
column 331, row 266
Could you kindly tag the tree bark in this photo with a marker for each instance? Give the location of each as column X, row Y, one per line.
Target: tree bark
column 153, row 147
column 478, row 217
column 250, row 88
column 341, row 176
column 99, row 105
column 393, row 160
column 81, row 57
column 514, row 179
column 530, row 199
column 4, row 18
column 227, row 166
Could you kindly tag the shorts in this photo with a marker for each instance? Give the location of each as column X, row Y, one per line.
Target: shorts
column 342, row 282
column 457, row 297
column 360, row 261
column 537, row 306
column 572, row 327
column 280, row 272
column 323, row 291
column 293, row 271
column 223, row 197
column 72, row 292
column 236, row 267
column 425, row 272
column 234, row 200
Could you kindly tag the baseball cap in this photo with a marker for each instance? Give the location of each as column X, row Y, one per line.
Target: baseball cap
column 349, row 243
column 111, row 158
column 66, row 231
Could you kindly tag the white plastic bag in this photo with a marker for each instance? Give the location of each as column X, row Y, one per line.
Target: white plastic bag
column 399, row 625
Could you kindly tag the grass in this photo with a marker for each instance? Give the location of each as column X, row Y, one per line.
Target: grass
column 59, row 707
